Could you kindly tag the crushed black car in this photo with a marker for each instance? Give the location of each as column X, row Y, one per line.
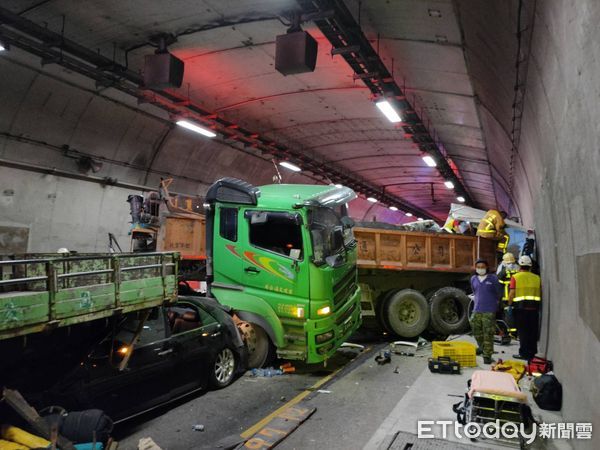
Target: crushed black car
column 179, row 349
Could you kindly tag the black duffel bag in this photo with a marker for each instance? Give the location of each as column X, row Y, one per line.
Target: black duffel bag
column 90, row 425
column 547, row 392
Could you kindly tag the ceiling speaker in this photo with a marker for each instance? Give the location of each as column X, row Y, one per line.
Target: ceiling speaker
column 295, row 52
column 163, row 70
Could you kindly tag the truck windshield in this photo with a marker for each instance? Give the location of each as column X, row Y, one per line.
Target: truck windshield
column 330, row 233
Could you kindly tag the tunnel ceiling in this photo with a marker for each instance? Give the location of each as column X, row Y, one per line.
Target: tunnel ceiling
column 228, row 47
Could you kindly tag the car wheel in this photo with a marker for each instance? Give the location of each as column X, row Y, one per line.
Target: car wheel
column 406, row 313
column 223, row 369
column 450, row 311
column 260, row 349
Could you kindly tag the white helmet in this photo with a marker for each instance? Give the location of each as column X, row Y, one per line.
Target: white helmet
column 525, row 261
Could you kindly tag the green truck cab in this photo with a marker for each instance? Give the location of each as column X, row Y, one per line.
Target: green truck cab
column 284, row 258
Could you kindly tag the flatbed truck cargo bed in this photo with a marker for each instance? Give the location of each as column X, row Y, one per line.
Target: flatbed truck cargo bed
column 39, row 292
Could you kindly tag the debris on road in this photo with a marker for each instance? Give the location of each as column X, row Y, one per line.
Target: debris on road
column 198, row 427
column 324, row 391
column 384, row 357
column 147, row 444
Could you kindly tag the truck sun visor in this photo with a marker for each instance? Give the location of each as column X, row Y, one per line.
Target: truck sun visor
column 331, row 197
column 232, row 190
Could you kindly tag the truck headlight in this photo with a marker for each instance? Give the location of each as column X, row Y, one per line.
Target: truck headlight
column 320, row 338
column 323, row 311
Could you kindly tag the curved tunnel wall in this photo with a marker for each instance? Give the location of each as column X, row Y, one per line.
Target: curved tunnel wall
column 556, row 170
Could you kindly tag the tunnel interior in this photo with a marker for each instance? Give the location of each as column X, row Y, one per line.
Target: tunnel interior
column 502, row 95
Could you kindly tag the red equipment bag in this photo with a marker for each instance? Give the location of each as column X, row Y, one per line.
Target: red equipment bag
column 539, row 366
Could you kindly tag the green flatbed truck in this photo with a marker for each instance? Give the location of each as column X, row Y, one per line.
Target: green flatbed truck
column 40, row 292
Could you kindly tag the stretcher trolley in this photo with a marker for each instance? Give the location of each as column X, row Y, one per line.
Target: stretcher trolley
column 495, row 397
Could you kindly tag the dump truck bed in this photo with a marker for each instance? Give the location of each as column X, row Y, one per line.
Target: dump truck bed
column 409, row 250
column 39, row 292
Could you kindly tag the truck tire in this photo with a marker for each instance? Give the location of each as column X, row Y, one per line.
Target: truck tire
column 380, row 313
column 261, row 350
column 449, row 308
column 406, row 313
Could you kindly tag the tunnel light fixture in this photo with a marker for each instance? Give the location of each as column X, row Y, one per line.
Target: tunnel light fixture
column 460, row 198
column 290, row 166
column 2, row 47
column 372, row 199
column 420, row 219
column 429, row 161
column 196, row 128
column 388, row 110
column 338, row 186
column 393, row 208
column 449, row 184
column 408, row 214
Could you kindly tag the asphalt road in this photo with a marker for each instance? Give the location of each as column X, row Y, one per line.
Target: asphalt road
column 361, row 395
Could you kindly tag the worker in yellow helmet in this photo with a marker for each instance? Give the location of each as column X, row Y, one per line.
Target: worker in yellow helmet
column 506, row 269
column 526, row 296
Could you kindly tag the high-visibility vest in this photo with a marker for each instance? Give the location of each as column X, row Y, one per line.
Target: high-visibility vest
column 528, row 287
column 506, row 281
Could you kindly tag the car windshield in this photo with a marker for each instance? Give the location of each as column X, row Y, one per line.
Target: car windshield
column 330, row 231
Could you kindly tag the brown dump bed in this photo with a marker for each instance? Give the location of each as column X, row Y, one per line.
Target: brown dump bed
column 408, row 250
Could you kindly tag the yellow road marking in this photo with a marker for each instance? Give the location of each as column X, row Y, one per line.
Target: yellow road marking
column 297, row 399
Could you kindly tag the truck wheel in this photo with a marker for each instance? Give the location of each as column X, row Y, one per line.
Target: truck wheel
column 380, row 311
column 260, row 348
column 449, row 311
column 406, row 313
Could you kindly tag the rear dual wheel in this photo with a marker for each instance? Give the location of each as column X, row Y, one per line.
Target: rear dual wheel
column 449, row 308
column 404, row 313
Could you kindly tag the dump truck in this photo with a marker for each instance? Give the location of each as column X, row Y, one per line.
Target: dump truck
column 417, row 281
column 282, row 256
column 41, row 292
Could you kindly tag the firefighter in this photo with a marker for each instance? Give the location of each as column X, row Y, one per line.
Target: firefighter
column 492, row 227
column 526, row 296
column 507, row 268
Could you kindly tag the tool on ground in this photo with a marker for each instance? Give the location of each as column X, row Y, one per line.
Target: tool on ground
column 443, row 364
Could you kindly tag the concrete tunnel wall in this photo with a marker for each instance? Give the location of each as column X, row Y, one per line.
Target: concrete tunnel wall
column 41, row 112
column 557, row 169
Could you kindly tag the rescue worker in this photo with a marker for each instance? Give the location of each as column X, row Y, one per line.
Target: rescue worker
column 492, row 227
column 526, row 295
column 487, row 290
column 507, row 268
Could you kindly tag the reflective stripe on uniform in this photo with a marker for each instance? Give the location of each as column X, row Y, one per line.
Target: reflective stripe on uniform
column 527, row 287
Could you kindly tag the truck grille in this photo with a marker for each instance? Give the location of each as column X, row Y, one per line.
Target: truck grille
column 344, row 288
column 340, row 320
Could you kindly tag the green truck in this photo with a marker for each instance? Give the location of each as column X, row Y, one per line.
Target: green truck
column 41, row 292
column 282, row 256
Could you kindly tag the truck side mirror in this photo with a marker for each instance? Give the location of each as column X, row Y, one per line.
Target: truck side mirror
column 334, row 261
column 347, row 222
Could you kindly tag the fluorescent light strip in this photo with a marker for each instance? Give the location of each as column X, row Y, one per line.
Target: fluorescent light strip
column 408, row 214
column 289, row 165
column 429, row 161
column 196, row 128
column 449, row 184
column 460, row 198
column 372, row 199
column 388, row 110
column 420, row 219
column 393, row 208
column 2, row 47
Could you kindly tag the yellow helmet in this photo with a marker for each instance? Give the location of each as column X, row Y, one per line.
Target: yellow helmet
column 508, row 258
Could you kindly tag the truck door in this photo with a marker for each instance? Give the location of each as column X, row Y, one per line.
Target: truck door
column 274, row 259
column 227, row 248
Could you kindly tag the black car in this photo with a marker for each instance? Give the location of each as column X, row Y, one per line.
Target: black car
column 180, row 349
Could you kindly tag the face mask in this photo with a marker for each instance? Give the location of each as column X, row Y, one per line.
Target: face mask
column 481, row 271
